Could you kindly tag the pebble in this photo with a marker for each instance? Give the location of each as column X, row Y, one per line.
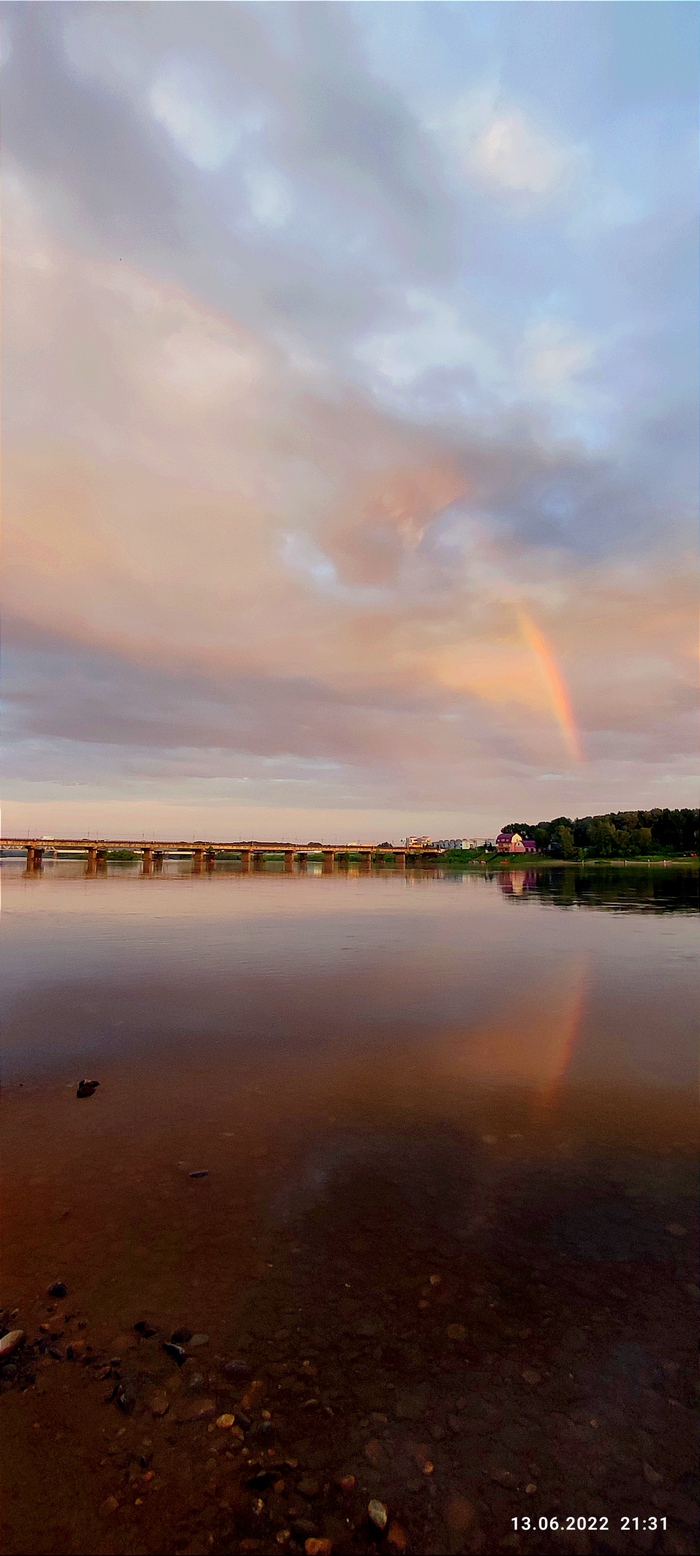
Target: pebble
column 346, row 1482
column 145, row 1329
column 225, row 1422
column 181, row 1336
column 503, row 1478
column 175, row 1351
column 459, row 1514
column 237, row 1368
column 158, row 1403
column 377, row 1514
column 397, row 1539
column 197, row 1410
column 308, row 1487
column 10, row 1342
column 676, row 1230
column 202, row 1172
column 314, row 1547
column 456, row 1332
column 58, row 1288
column 374, row 1452
column 125, row 1398
column 408, row 1407
column 530, row 1488
column 110, row 1505
column 531, row 1376
column 198, row 1339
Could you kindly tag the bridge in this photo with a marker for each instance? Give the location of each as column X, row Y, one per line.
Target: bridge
column 250, row 855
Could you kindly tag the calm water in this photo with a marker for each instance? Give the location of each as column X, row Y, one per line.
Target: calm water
column 447, row 1124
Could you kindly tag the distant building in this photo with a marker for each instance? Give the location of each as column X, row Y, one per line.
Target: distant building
column 418, row 842
column 513, row 843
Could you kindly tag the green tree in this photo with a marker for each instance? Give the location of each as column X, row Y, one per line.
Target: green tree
column 603, row 838
column 565, row 843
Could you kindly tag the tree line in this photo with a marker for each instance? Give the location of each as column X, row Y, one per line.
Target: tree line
column 619, row 834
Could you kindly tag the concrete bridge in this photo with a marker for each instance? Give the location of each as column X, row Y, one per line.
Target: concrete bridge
column 250, row 855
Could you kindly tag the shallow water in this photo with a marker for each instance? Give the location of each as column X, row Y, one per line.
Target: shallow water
column 486, row 1081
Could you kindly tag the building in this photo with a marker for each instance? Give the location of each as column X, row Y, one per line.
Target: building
column 513, row 843
column 419, row 842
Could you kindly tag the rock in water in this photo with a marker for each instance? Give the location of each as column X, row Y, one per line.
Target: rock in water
column 175, row 1351
column 10, row 1342
column 377, row 1514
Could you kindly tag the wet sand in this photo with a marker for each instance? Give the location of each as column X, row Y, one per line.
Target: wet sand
column 455, row 1276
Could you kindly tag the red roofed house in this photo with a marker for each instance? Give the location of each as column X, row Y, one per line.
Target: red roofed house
column 513, row 843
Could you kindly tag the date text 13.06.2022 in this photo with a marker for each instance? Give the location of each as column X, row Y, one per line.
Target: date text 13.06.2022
column 628, row 1524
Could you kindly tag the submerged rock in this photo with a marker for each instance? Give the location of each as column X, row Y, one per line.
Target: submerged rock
column 377, row 1514
column 10, row 1342
column 86, row 1088
column 237, row 1368
column 58, row 1288
column 175, row 1351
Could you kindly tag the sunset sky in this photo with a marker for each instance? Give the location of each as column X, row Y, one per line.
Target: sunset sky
column 350, row 416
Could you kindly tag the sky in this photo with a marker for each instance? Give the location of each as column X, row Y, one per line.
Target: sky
column 349, row 416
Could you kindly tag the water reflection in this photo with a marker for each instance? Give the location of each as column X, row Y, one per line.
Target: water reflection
column 448, row 1211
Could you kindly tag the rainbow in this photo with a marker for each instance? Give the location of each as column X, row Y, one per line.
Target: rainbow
column 554, row 683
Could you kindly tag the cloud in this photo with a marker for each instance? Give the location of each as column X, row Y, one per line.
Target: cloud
column 513, row 153
column 501, row 146
column 178, row 101
column 433, row 339
column 302, row 411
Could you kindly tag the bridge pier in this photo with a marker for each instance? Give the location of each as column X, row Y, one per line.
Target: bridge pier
column 210, row 858
column 258, row 859
column 399, row 859
column 365, row 862
column 35, row 858
column 289, row 861
column 328, row 860
column 147, row 858
column 101, row 860
column 302, row 860
column 197, row 861
column 245, row 860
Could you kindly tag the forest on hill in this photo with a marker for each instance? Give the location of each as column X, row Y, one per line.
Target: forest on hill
column 620, row 834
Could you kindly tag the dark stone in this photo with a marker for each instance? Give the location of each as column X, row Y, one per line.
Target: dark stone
column 181, row 1336
column 262, row 1479
column 56, row 1354
column 176, row 1351
column 308, row 1487
column 125, row 1397
column 237, row 1369
column 145, row 1329
column 57, row 1289
column 303, row 1528
column 202, row 1173
column 86, row 1088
